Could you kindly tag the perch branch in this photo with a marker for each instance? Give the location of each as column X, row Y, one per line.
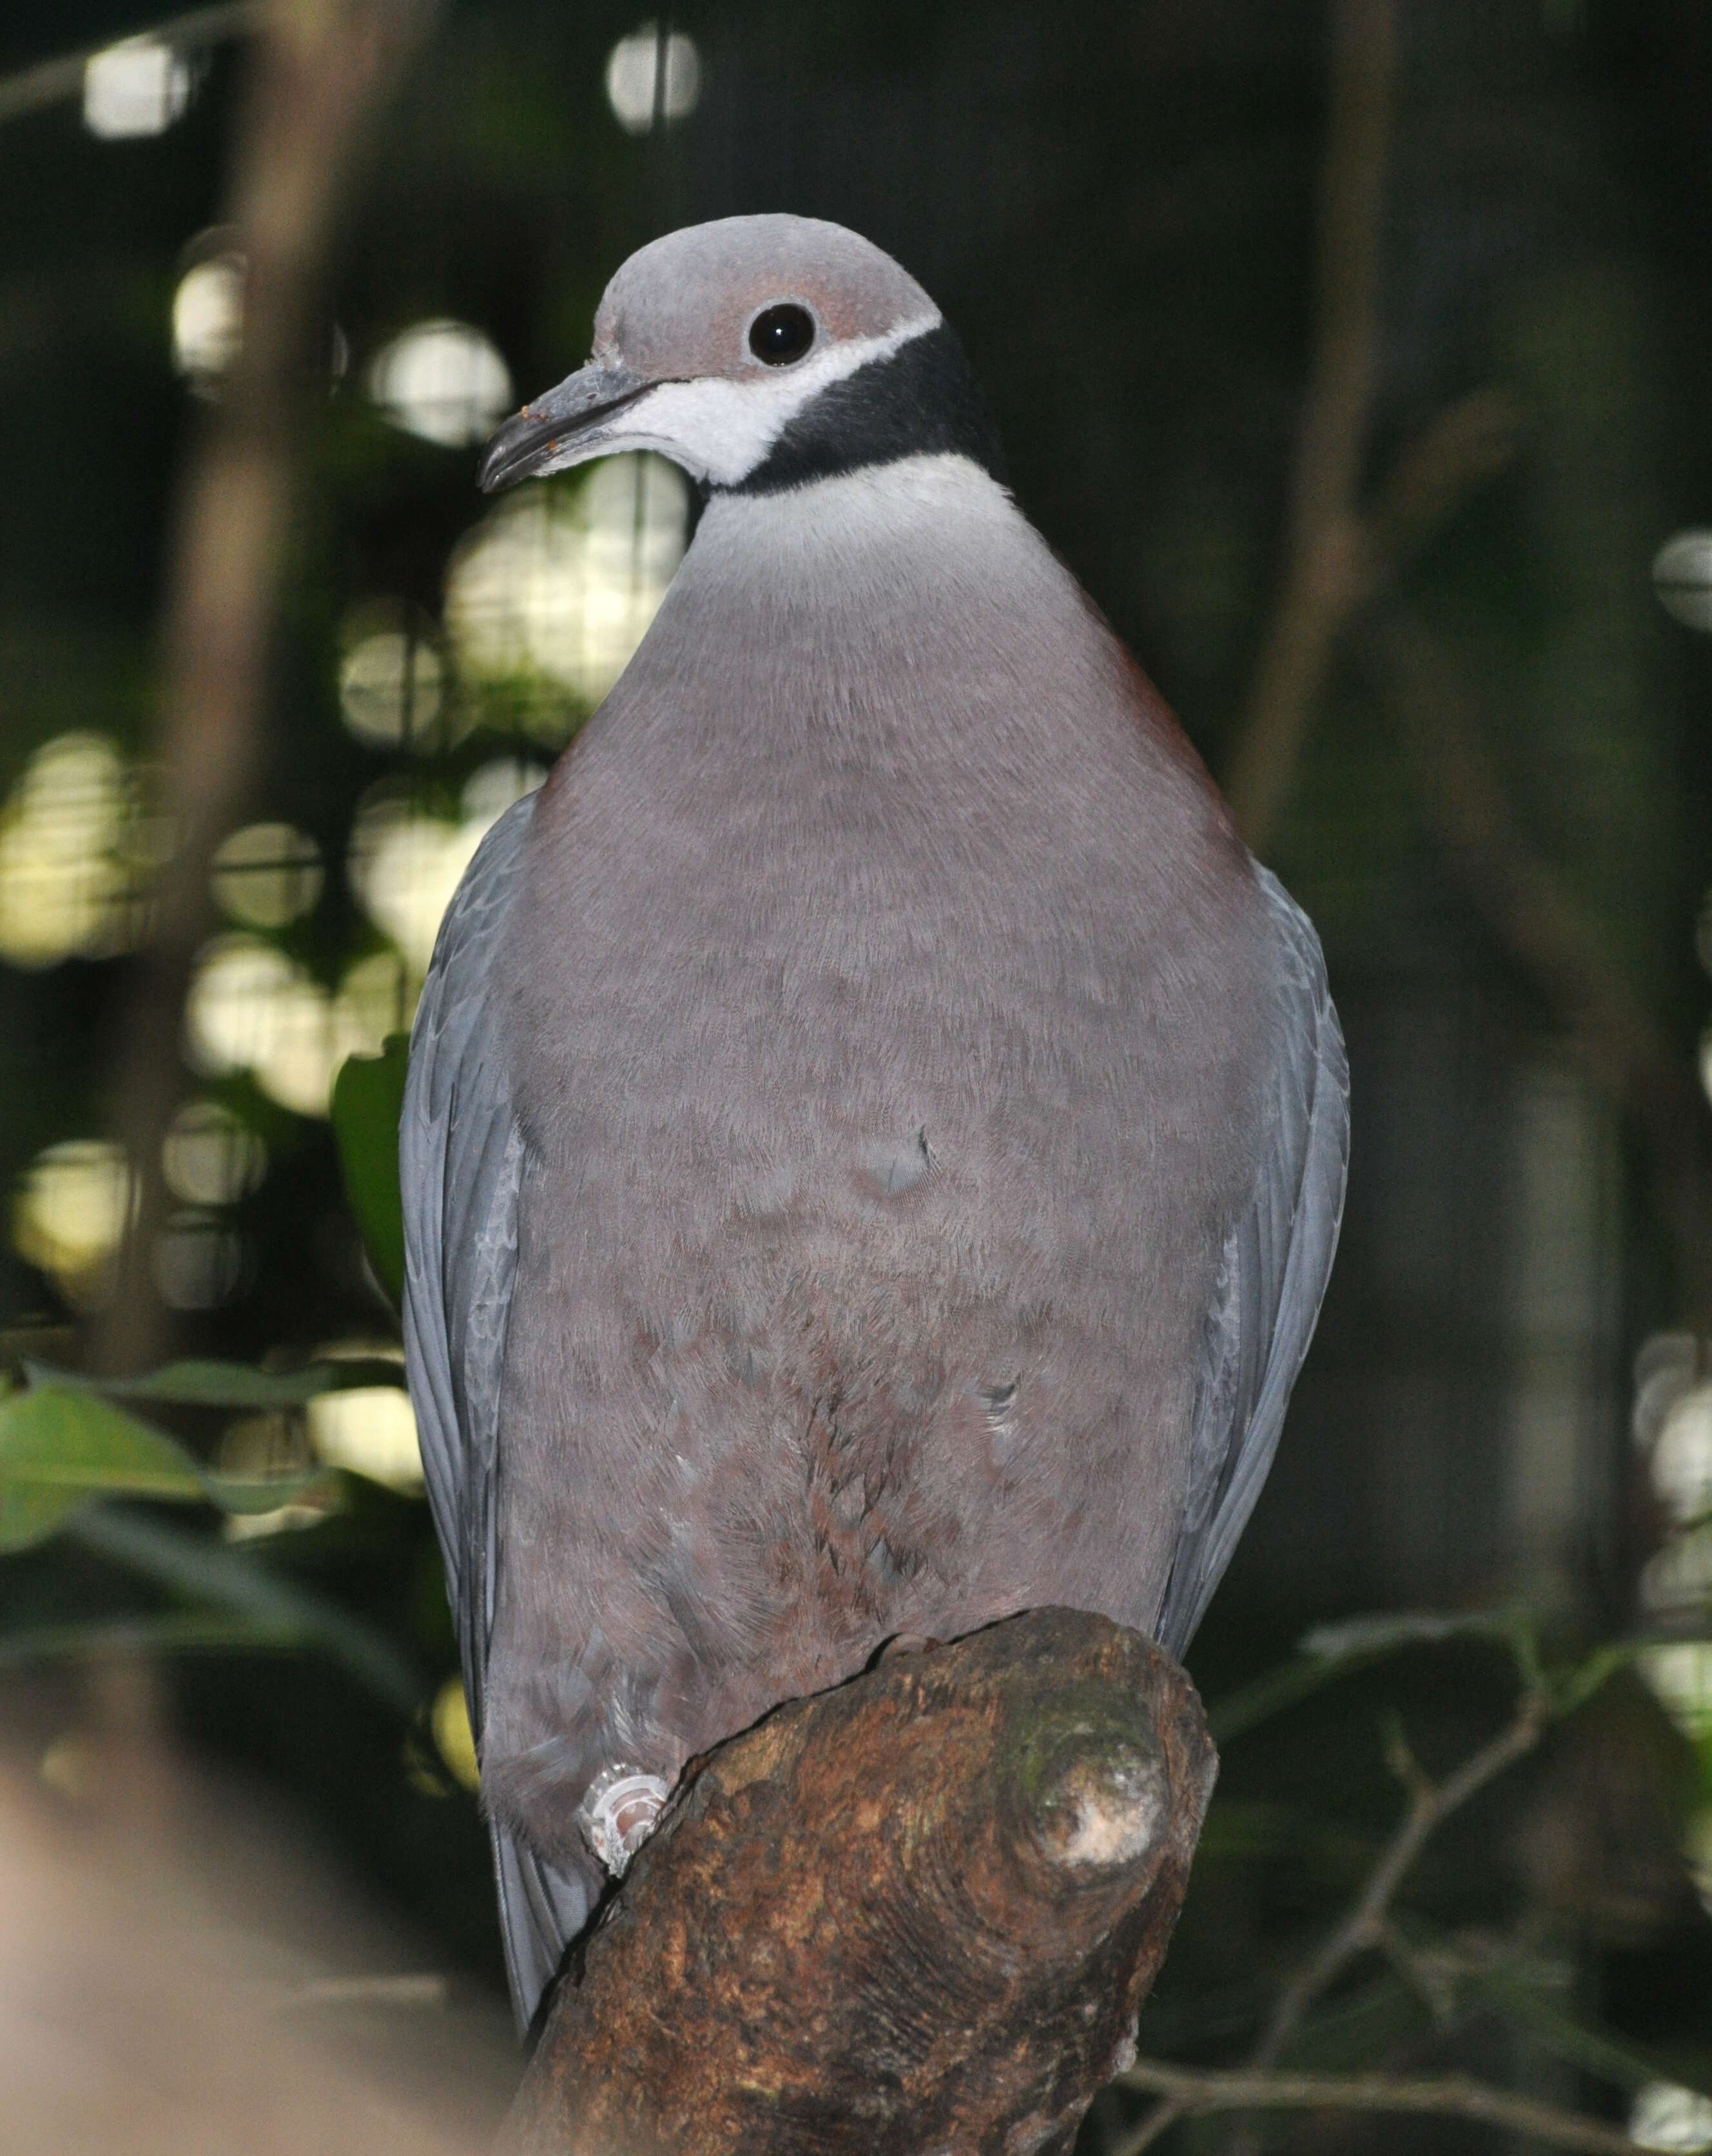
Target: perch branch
column 919, row 1912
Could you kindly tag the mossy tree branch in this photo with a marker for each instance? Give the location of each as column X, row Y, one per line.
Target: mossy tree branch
column 920, row 1911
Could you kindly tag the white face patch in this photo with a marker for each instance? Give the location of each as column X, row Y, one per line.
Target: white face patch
column 720, row 428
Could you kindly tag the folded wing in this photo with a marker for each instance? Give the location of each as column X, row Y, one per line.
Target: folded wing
column 1276, row 1261
column 461, row 1161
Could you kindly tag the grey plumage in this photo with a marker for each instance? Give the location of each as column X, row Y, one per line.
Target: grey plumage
column 874, row 1141
column 460, row 1165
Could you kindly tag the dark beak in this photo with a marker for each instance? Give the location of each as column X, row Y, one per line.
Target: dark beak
column 538, row 434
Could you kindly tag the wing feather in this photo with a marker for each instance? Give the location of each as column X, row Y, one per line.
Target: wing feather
column 461, row 1161
column 1272, row 1277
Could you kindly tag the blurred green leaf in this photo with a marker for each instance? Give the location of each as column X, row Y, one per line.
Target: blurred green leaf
column 1331, row 1651
column 194, row 1566
column 172, row 1632
column 1246, row 1831
column 1270, row 1694
column 61, row 1447
column 208, row 1385
column 1360, row 2028
column 368, row 1095
column 1239, row 1831
column 1595, row 2051
column 1575, row 1687
column 1387, row 1632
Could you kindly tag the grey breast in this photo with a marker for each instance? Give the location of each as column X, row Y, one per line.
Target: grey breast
column 862, row 1175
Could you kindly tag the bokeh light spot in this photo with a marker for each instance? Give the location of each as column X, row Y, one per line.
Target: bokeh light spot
column 73, row 849
column 209, row 1157
column 275, row 1443
column 139, row 86
column 1681, row 1456
column 560, row 583
column 442, row 381
column 404, row 866
column 406, row 861
column 1681, row 576
column 389, row 689
column 300, row 1061
column 1666, row 2116
column 449, row 1720
column 368, row 1430
column 1680, row 1676
column 197, row 1261
column 252, row 1008
column 1677, row 1579
column 633, row 86
column 207, row 319
column 377, row 997
column 70, row 1214
column 267, row 875
column 229, row 1013
column 495, row 787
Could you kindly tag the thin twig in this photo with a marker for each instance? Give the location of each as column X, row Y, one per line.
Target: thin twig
column 1325, row 568
column 1452, row 2097
column 1337, row 557
column 1362, row 1926
column 1457, row 450
column 1431, row 1978
column 49, row 82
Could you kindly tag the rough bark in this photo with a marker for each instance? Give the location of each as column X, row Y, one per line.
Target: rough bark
column 918, row 1912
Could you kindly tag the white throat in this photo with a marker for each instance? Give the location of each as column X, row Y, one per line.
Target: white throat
column 719, row 430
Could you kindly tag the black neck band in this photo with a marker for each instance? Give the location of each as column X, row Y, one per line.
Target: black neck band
column 920, row 400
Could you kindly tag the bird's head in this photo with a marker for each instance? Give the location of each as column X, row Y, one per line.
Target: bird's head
column 756, row 353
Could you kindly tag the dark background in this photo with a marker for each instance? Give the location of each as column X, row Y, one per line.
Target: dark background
column 1119, row 208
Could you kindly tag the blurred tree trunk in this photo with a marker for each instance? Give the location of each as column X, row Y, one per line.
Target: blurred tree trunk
column 1344, row 551
column 1531, row 911
column 920, row 1911
column 319, row 71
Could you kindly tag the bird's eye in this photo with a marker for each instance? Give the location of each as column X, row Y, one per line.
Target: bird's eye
column 778, row 335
